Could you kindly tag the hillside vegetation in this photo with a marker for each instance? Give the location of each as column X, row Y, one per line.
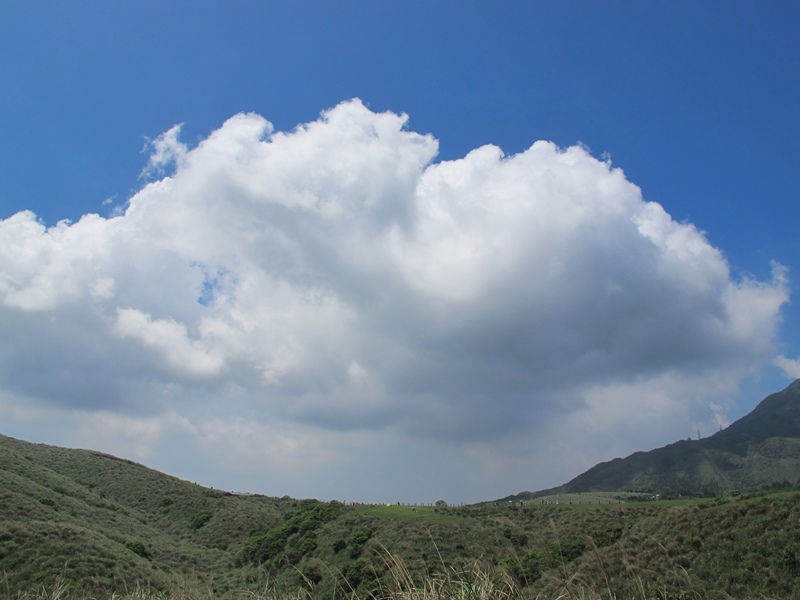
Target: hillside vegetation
column 76, row 523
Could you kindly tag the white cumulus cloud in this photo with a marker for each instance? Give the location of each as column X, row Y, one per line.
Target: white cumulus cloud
column 333, row 281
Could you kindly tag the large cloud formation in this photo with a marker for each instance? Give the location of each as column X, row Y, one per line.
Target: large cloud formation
column 291, row 295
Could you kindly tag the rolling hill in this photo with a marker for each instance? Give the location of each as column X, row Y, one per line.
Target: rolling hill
column 77, row 524
column 111, row 523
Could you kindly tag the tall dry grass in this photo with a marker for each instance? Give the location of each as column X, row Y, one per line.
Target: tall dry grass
column 477, row 581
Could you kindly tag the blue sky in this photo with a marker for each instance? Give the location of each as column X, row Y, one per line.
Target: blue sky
column 696, row 104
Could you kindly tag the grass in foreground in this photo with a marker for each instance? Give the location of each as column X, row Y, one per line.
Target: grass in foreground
column 476, row 581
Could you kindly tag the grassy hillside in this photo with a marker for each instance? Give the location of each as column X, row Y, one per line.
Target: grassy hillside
column 99, row 525
column 106, row 522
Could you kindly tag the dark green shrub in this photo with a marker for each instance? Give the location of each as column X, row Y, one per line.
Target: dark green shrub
column 138, row 548
column 607, row 536
column 357, row 541
column 517, row 538
column 526, row 569
column 302, row 521
column 789, row 556
column 49, row 502
column 364, row 576
column 309, row 515
column 266, row 546
column 199, row 520
column 300, row 547
column 566, row 551
column 312, row 571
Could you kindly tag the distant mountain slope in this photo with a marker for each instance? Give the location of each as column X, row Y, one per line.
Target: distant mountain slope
column 761, row 448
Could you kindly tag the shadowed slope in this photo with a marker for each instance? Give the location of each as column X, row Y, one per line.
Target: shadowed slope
column 762, row 448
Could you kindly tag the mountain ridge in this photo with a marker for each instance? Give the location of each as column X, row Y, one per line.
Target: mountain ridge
column 761, row 448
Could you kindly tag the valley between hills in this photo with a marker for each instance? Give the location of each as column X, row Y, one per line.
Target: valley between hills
column 82, row 524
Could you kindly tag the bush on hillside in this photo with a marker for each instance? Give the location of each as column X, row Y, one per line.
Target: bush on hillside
column 139, row 548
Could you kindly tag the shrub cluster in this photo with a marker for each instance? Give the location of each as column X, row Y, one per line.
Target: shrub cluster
column 292, row 538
